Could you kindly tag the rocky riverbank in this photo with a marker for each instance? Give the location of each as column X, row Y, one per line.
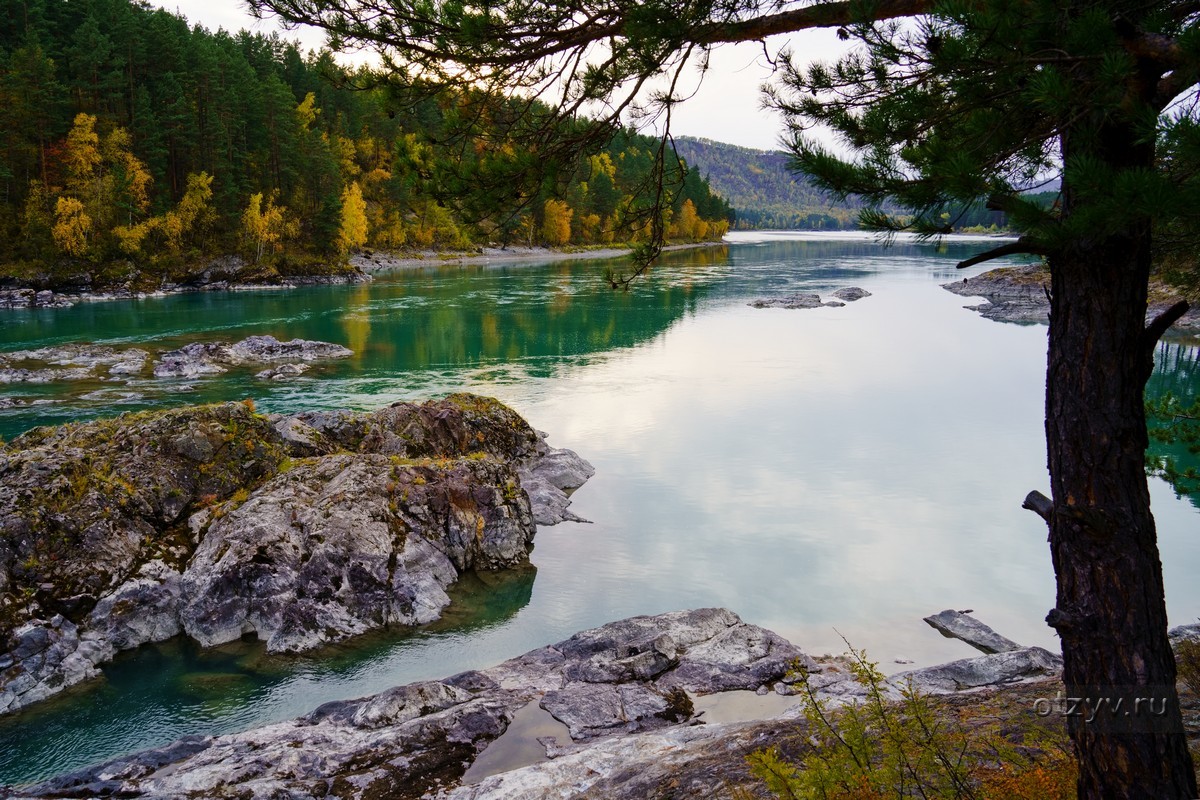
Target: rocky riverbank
column 217, row 523
column 617, row 711
column 370, row 262
column 1021, row 295
column 223, row 274
column 232, row 274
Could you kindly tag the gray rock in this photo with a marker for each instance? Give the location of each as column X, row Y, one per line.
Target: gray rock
column 300, row 438
column 549, row 479
column 218, row 522
column 70, row 362
column 1020, row 295
column 424, row 735
column 1184, row 633
column 53, row 375
column 348, row 543
column 210, row 358
column 851, row 293
column 801, row 300
column 192, row 361
column 43, row 657
column 29, row 298
column 283, row 372
column 629, row 735
column 955, row 625
column 257, row 349
column 143, row 609
column 990, row 670
column 1013, row 294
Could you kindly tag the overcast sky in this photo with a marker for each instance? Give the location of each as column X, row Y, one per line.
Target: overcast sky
column 727, row 107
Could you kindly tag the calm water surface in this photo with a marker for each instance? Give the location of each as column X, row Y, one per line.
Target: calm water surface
column 825, row 473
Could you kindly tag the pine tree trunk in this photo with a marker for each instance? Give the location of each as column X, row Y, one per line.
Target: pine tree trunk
column 1111, row 616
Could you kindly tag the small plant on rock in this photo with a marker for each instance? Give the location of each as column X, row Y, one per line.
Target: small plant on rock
column 1187, row 659
column 898, row 743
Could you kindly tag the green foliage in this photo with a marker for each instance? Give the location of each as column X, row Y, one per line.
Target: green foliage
column 898, row 743
column 110, row 113
column 1187, row 655
column 1175, row 423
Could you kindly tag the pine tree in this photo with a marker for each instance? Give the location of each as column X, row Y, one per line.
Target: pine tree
column 962, row 100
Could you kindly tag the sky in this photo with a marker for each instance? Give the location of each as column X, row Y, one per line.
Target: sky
column 726, row 108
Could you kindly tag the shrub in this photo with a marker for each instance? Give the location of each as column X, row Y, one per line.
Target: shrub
column 898, row 743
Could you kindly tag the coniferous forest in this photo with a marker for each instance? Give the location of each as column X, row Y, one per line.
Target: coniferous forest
column 134, row 146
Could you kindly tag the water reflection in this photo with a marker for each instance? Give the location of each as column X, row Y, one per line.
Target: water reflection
column 821, row 472
column 1176, row 373
column 162, row 691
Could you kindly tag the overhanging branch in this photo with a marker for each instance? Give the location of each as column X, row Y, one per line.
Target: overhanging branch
column 1158, row 326
column 821, row 15
column 1020, row 246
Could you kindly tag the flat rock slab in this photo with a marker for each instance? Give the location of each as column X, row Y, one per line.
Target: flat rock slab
column 956, row 625
column 621, row 690
column 421, row 737
column 1029, row 663
column 1020, row 295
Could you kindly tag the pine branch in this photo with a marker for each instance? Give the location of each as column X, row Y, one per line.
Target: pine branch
column 1022, row 245
column 821, row 15
column 1159, row 325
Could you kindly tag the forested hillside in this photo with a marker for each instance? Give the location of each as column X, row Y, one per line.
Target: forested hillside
column 764, row 191
column 767, row 194
column 135, row 145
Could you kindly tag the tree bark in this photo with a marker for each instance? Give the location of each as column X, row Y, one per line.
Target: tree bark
column 1126, row 725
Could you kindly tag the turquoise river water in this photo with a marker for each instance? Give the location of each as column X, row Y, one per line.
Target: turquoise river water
column 828, row 473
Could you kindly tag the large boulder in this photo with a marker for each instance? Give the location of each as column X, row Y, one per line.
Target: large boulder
column 218, row 522
column 340, row 545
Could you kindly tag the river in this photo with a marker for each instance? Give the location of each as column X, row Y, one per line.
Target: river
column 827, row 473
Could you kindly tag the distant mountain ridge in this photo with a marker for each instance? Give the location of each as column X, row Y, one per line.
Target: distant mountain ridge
column 764, row 192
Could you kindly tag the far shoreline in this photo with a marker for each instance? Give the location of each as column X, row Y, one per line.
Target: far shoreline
column 363, row 267
column 372, row 262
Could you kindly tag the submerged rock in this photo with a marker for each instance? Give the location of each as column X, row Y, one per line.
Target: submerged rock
column 218, row 522
column 283, row 372
column 70, row 362
column 621, row 690
column 851, row 293
column 44, row 375
column 801, row 300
